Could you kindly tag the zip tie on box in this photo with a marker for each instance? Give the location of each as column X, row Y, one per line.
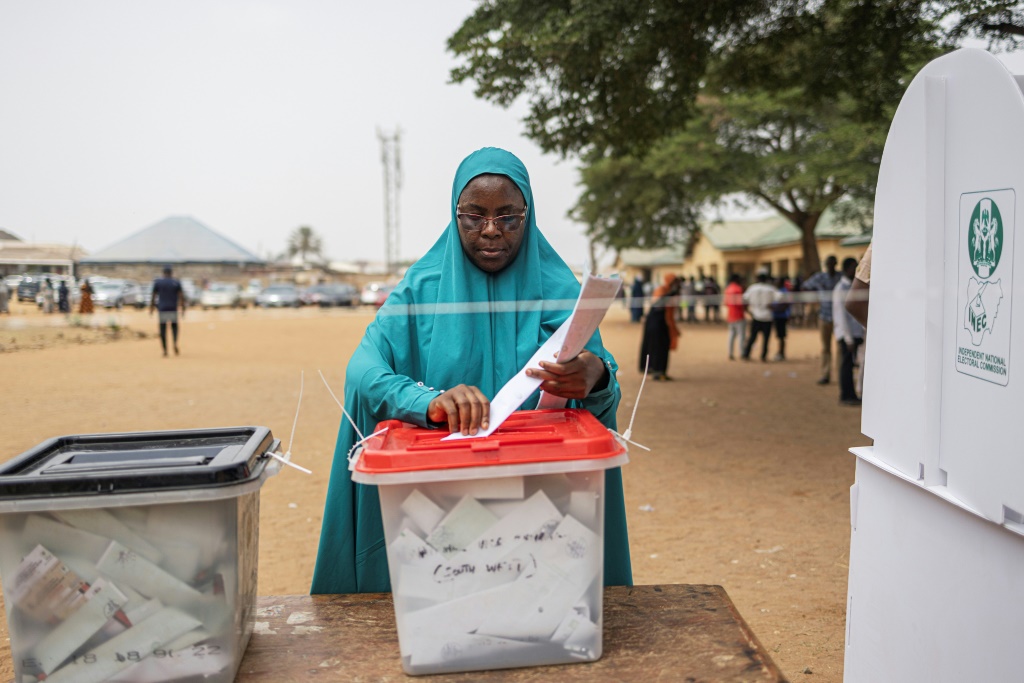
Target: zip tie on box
column 353, row 453
column 286, row 457
column 295, row 422
column 344, row 412
column 629, row 430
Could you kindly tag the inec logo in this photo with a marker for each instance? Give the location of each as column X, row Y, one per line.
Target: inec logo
column 984, row 247
column 985, row 238
column 984, row 271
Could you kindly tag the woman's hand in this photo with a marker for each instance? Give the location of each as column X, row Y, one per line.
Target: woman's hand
column 573, row 379
column 465, row 408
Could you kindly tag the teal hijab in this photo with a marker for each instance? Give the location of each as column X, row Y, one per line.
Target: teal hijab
column 450, row 323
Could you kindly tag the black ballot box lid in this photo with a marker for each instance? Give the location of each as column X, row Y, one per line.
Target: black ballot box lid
column 129, row 462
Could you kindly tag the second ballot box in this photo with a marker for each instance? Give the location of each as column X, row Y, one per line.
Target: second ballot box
column 132, row 557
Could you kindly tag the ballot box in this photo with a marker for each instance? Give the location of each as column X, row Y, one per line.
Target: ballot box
column 937, row 510
column 495, row 545
column 132, row 557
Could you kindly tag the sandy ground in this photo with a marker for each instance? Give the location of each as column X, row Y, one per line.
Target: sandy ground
column 746, row 486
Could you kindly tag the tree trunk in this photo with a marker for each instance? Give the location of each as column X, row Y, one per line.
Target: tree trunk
column 809, row 243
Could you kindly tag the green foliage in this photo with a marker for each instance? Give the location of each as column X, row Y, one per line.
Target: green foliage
column 1000, row 23
column 304, row 242
column 599, row 75
column 675, row 106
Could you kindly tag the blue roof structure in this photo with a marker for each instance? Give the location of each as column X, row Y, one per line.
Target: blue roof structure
column 176, row 239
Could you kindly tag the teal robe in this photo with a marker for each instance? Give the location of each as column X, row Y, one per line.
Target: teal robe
column 450, row 323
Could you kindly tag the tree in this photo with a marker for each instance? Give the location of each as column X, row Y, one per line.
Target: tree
column 1001, row 23
column 785, row 103
column 599, row 75
column 798, row 158
column 303, row 242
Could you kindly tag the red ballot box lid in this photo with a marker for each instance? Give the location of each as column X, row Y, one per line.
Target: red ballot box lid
column 527, row 436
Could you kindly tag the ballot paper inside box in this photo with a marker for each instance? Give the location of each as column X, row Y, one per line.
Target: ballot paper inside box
column 132, row 557
column 495, row 545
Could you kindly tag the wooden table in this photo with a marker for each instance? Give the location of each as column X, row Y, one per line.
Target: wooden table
column 679, row 633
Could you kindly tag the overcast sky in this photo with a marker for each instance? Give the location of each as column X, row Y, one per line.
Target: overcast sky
column 252, row 116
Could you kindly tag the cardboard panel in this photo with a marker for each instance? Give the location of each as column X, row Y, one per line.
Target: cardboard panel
column 940, row 399
column 934, row 593
column 981, row 425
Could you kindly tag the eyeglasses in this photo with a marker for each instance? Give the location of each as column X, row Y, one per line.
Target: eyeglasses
column 472, row 222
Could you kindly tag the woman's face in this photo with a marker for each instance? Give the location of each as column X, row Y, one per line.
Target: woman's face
column 490, row 248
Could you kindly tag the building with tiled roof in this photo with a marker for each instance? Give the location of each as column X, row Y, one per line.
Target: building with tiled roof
column 746, row 247
column 191, row 248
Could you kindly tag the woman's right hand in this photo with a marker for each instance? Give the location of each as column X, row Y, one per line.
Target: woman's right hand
column 464, row 408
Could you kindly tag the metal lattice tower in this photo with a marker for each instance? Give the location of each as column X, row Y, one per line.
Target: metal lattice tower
column 390, row 154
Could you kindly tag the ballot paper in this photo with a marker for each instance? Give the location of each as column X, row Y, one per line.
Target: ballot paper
column 45, row 589
column 103, row 662
column 486, row 590
column 596, row 296
column 102, row 600
column 467, row 520
column 103, row 523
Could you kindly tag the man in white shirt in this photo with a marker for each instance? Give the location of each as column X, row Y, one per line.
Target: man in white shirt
column 849, row 334
column 759, row 298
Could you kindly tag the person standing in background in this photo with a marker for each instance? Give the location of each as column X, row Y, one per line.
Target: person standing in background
column 46, row 293
column 857, row 300
column 636, row 299
column 692, row 291
column 5, row 295
column 857, row 306
column 63, row 302
column 780, row 317
column 712, row 300
column 849, row 334
column 759, row 299
column 824, row 282
column 735, row 314
column 661, row 335
column 85, row 304
column 168, row 298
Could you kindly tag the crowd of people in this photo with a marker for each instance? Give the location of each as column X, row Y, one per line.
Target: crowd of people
column 762, row 309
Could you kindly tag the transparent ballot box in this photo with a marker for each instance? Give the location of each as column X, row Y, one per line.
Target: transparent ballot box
column 132, row 557
column 495, row 544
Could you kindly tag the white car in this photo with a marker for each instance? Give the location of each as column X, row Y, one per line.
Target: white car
column 221, row 295
column 371, row 294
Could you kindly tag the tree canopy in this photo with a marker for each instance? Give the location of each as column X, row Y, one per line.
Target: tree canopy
column 673, row 106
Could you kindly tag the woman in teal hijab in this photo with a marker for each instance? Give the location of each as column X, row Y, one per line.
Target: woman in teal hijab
column 465, row 318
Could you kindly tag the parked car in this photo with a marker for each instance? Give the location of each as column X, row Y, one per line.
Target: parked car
column 278, row 295
column 115, row 293
column 190, row 290
column 251, row 291
column 145, row 294
column 371, row 293
column 382, row 295
column 12, row 283
column 221, row 295
column 330, row 294
column 345, row 294
column 28, row 288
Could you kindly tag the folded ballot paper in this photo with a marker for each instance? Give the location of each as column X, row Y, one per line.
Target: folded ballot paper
column 596, row 295
column 485, row 583
column 133, row 594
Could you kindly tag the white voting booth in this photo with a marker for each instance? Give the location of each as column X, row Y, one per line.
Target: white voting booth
column 936, row 589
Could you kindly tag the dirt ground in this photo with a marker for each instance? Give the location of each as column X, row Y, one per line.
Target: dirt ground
column 746, row 486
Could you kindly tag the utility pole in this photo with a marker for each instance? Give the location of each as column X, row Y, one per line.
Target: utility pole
column 390, row 155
